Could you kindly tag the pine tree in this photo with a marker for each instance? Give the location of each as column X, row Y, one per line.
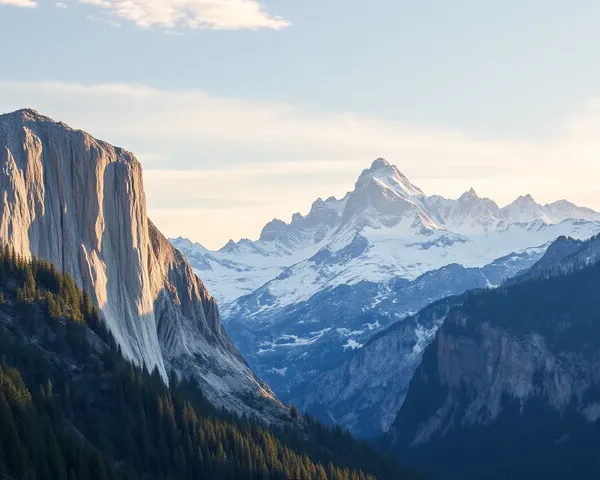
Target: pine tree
column 30, row 286
column 12, row 450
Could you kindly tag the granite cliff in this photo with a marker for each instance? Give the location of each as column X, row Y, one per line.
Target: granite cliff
column 79, row 203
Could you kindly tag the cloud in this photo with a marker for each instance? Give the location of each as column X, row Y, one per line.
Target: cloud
column 20, row 3
column 194, row 14
column 277, row 158
column 62, row 5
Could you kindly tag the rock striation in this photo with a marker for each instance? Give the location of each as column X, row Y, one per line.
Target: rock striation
column 79, row 203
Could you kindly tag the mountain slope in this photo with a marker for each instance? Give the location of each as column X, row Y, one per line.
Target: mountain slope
column 365, row 392
column 72, row 407
column 238, row 269
column 296, row 344
column 79, row 203
column 512, row 379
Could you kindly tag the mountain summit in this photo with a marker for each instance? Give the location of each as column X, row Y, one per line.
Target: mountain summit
column 388, row 176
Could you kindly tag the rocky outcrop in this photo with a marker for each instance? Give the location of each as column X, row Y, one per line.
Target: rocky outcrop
column 79, row 203
column 364, row 393
column 510, row 388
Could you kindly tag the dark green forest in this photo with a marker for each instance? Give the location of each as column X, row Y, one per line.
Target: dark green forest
column 71, row 407
column 530, row 438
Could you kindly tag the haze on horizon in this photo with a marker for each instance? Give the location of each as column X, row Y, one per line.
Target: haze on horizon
column 504, row 99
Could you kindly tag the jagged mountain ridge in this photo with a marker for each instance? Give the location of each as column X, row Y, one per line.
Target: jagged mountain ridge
column 512, row 378
column 317, row 288
column 384, row 207
column 79, row 203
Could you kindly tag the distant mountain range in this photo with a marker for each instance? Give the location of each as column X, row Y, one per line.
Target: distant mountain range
column 307, row 295
column 395, row 224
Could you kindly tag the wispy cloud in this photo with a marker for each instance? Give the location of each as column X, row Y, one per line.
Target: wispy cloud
column 277, row 158
column 194, row 14
column 19, row 3
column 61, row 5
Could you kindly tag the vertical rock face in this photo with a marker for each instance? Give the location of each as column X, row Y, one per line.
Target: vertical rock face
column 511, row 383
column 79, row 203
column 364, row 393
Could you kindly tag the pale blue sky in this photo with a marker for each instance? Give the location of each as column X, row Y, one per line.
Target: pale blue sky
column 500, row 96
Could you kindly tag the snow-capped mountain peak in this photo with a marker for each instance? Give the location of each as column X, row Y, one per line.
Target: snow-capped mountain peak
column 311, row 229
column 183, row 243
column 406, row 234
column 562, row 210
column 387, row 176
column 525, row 210
column 470, row 194
column 470, row 213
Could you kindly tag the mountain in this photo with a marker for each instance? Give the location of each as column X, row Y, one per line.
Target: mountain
column 297, row 343
column 510, row 386
column 365, row 391
column 72, row 407
column 239, row 268
column 385, row 227
column 79, row 203
column 306, row 295
column 563, row 256
column 525, row 209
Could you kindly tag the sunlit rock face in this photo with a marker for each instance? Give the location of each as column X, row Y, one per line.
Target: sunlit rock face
column 79, row 203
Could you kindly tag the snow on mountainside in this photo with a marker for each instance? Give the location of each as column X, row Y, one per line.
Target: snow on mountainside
column 80, row 204
column 309, row 292
column 385, row 227
column 239, row 268
column 389, row 228
column 292, row 345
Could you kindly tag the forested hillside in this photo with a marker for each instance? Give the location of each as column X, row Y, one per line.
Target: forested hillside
column 511, row 387
column 72, row 408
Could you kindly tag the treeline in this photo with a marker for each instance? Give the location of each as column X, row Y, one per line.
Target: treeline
column 71, row 407
column 34, row 446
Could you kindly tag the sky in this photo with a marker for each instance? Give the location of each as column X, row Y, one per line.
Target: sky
column 242, row 112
